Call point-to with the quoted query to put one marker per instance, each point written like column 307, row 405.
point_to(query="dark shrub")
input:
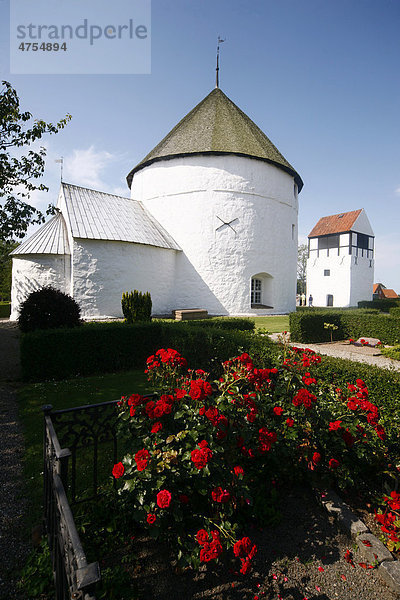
column 48, row 308
column 136, row 306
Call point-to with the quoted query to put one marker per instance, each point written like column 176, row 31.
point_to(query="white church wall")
column 32, row 272
column 104, row 270
column 362, row 279
column 337, row 283
column 191, row 196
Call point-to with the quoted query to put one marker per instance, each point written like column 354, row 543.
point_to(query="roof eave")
column 146, row 163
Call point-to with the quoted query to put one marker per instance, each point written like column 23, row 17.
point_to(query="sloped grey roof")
column 100, row 216
column 51, row 238
column 217, row 126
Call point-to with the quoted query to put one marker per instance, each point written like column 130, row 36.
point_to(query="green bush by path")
column 382, row 304
column 230, row 323
column 394, row 311
column 308, row 326
column 393, row 352
column 111, row 347
column 5, row 310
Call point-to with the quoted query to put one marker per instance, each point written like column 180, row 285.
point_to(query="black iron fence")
column 73, row 471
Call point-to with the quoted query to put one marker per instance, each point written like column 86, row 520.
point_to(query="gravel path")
column 14, row 546
column 300, row 558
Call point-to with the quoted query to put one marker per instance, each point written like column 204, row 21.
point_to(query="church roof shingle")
column 51, row 238
column 217, row 126
column 101, row 216
column 340, row 223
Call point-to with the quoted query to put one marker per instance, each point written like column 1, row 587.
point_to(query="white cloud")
column 86, row 166
column 397, row 191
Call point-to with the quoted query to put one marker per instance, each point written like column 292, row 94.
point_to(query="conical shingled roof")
column 217, row 126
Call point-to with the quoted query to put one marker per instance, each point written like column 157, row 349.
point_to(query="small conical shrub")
column 136, row 306
column 48, row 308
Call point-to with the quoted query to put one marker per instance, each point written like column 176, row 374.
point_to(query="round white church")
column 211, row 223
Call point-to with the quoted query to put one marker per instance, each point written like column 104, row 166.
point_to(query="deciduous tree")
column 19, row 171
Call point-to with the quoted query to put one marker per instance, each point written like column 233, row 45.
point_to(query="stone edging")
column 389, row 568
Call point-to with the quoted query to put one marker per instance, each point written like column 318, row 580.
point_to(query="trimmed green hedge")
column 382, row 304
column 111, row 347
column 308, row 326
column 227, row 323
column 395, row 311
column 5, row 310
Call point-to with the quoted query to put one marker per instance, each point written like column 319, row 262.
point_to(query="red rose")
column 202, row 536
column 183, row 498
column 157, row 426
column 141, row 458
column 316, row 458
column 289, row 422
column 334, row 425
column 118, row 470
column 238, row 470
column 333, row 464
column 278, row 410
column 163, row 498
column 151, row 518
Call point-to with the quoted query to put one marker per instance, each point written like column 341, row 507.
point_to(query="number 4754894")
column 44, row 46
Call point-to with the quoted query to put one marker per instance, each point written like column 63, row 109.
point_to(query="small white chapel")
column 211, row 223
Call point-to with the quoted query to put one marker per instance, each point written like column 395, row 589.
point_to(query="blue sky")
column 319, row 77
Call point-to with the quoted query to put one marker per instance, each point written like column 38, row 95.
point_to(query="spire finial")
column 220, row 40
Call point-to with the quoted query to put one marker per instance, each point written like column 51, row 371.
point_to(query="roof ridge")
column 81, row 187
column 217, row 126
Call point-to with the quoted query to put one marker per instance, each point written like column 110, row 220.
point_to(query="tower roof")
column 341, row 223
column 217, row 126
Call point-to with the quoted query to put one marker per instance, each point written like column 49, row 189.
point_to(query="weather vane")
column 220, row 40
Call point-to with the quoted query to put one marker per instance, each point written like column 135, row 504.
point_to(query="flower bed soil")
column 300, row 558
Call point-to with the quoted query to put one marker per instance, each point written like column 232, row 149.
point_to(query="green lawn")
column 272, row 324
column 64, row 394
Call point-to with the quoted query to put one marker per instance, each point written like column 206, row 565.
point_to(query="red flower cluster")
column 118, row 470
column 307, row 379
column 164, row 498
column 134, row 401
column 163, row 406
column 217, row 419
column 210, row 548
column 265, row 439
column 390, row 519
column 245, row 550
column 201, row 455
column 168, row 357
column 142, row 458
column 305, row 398
column 359, row 401
column 199, row 389
column 220, row 495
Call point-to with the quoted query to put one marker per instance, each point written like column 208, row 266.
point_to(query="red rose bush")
column 203, row 454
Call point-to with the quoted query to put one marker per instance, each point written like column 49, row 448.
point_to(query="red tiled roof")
column 389, row 293
column 335, row 223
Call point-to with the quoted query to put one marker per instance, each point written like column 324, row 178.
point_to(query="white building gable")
column 340, row 265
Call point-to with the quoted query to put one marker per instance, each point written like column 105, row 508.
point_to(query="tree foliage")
column 18, row 173
column 5, row 268
column 302, row 255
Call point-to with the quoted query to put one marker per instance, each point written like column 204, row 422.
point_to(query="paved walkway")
column 362, row 354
